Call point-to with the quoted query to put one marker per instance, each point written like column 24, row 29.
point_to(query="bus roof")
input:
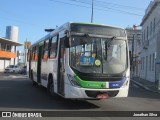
column 96, row 24
column 66, row 26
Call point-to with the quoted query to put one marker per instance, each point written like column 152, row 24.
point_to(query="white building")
column 150, row 49
column 134, row 41
column 8, row 47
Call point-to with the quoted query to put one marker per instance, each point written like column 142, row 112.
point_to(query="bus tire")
column 33, row 82
column 50, row 87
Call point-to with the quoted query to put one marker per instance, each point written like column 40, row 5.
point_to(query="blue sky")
column 33, row 16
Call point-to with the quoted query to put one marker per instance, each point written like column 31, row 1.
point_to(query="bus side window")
column 36, row 53
column 33, row 54
column 53, row 50
column 42, row 54
column 28, row 55
column 49, row 48
column 46, row 46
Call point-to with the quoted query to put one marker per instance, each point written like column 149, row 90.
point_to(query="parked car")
column 24, row 70
column 12, row 69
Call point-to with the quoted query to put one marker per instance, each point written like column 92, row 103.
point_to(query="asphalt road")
column 18, row 94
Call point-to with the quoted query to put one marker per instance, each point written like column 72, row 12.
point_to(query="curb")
column 144, row 87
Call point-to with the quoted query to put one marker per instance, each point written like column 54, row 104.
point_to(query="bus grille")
column 95, row 93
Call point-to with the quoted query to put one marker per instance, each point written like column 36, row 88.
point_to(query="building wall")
column 1, row 64
column 8, row 54
column 134, row 41
column 150, row 49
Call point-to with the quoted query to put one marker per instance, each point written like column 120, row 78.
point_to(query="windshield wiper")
column 109, row 42
column 86, row 35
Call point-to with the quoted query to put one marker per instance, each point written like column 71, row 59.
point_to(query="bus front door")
column 61, row 68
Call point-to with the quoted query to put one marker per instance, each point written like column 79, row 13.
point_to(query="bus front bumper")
column 85, row 93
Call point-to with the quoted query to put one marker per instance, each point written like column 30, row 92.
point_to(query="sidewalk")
column 150, row 86
column 4, row 76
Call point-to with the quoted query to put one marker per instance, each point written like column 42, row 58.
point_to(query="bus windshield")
column 98, row 55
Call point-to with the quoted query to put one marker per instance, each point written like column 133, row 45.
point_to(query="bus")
column 82, row 61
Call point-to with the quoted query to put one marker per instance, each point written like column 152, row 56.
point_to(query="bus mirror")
column 66, row 42
column 67, row 33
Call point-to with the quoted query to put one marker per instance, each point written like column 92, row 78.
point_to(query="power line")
column 130, row 7
column 104, row 6
column 108, row 8
column 101, row 3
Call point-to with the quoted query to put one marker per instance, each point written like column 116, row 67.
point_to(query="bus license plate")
column 102, row 96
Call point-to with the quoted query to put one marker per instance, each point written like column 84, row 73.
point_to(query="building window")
column 146, row 63
column 143, row 62
column 8, row 47
column 151, row 28
column 150, row 63
column 153, row 62
column 144, row 36
column 3, row 46
column 147, row 32
column 154, row 24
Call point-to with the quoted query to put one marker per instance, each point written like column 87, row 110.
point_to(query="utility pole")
column 134, row 51
column 27, row 44
column 25, row 47
column 133, row 63
column 92, row 13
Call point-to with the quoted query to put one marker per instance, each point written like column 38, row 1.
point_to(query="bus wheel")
column 50, row 88
column 33, row 82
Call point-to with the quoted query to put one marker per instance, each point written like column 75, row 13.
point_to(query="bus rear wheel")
column 33, row 82
column 50, row 88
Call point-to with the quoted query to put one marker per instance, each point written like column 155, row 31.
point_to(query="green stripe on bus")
column 90, row 84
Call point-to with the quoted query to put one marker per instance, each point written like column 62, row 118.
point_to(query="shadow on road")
column 20, row 93
column 136, row 91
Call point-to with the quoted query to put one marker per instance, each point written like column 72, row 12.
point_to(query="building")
column 8, row 48
column 150, row 49
column 134, row 41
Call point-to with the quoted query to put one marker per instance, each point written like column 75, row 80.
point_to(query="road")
column 18, row 94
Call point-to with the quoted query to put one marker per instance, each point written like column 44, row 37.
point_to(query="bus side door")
column 61, row 66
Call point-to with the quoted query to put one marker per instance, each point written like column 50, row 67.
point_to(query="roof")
column 88, row 23
column 64, row 26
column 149, row 11
column 4, row 40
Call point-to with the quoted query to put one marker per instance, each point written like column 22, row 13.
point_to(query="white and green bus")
column 82, row 61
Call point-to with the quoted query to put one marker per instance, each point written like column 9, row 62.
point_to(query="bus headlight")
column 126, row 82
column 73, row 81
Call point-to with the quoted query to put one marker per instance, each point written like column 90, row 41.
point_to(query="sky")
column 33, row 16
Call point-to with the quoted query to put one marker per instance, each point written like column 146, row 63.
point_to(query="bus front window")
column 98, row 55
column 114, row 56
